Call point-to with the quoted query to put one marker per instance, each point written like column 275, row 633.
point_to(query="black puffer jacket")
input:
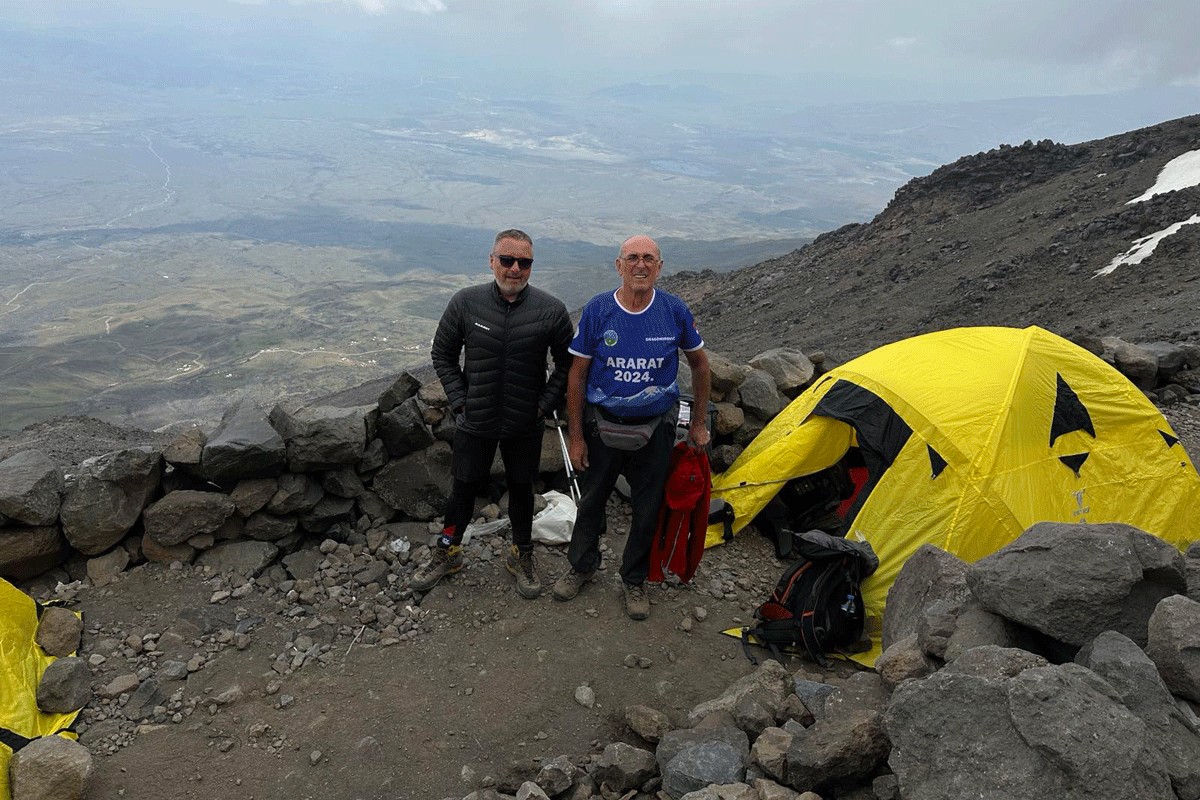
column 502, row 385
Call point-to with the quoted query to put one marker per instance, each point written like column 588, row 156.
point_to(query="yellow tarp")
column 22, row 663
column 984, row 399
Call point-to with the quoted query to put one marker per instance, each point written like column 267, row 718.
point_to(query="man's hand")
column 697, row 434
column 577, row 450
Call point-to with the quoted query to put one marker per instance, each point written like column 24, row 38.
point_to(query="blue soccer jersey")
column 635, row 356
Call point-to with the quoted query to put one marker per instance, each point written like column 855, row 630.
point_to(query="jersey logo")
column 610, row 338
column 660, row 338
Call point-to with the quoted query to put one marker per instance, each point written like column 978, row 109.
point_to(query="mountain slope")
column 1013, row 236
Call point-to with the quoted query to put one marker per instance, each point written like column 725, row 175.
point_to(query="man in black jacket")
column 500, row 397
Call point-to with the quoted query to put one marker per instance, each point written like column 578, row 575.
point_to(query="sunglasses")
column 508, row 261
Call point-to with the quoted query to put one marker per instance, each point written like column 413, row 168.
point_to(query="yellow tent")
column 22, row 663
column 970, row 436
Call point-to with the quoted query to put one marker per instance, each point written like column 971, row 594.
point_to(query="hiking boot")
column 569, row 584
column 444, row 561
column 637, row 603
column 523, row 566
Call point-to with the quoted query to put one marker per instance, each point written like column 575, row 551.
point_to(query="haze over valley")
column 182, row 224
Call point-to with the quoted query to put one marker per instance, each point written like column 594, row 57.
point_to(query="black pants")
column 646, row 470
column 471, row 464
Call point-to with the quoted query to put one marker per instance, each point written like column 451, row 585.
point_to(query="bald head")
column 640, row 244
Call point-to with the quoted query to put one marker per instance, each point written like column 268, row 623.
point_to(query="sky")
column 907, row 49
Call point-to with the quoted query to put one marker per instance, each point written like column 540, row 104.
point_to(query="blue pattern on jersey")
column 635, row 357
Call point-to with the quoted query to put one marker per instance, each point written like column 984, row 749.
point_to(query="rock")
column 623, row 767
column 108, row 496
column 160, row 554
column 1134, row 362
column 769, row 752
column 723, row 791
column 754, row 713
column 403, row 429
column 975, row 627
column 928, row 576
column 26, row 552
column 1192, row 567
column 531, row 791
column 695, row 767
column 66, row 686
column 771, row 682
column 402, row 389
column 418, row 484
column 760, row 396
column 50, row 768
column 240, row 558
column 994, row 662
column 1120, row 662
column 327, row 513
column 244, row 445
column 1174, row 645
column 557, row 775
column 253, row 494
column 186, row 450
column 770, row 790
column 295, row 493
column 143, row 700
column 585, row 696
column 903, row 661
column 726, row 375
column 790, row 368
column 322, row 437
column 717, row 728
column 1075, row 581
column 646, row 722
column 58, row 631
column 121, row 684
column 266, row 527
column 813, row 694
column 956, row 735
column 862, row 691
column 31, row 487
column 843, row 746
column 181, row 515
column 343, row 483
column 104, row 569
column 302, row 564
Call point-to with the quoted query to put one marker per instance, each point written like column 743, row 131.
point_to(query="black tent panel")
column 1069, row 413
column 1169, row 439
column 936, row 462
column 879, row 429
column 1075, row 462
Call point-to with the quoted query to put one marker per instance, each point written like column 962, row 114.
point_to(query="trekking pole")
column 572, row 477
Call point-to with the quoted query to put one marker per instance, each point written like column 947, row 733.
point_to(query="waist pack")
column 622, row 434
column 817, row 606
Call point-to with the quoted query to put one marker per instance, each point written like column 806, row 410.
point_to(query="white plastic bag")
column 554, row 523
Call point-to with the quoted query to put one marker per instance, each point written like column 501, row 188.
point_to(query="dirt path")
column 487, row 687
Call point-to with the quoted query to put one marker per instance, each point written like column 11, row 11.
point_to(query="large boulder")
column 1046, row 731
column 108, row 496
column 930, row 576
column 404, row 387
column 244, row 445
column 295, row 493
column 241, row 558
column 760, row 396
column 322, row 437
column 65, row 686
column 403, row 429
column 50, row 768
column 1126, row 668
column 791, row 369
column 1174, row 645
column 837, row 747
column 1072, row 582
column 418, row 484
column 26, row 552
column 770, row 683
column 181, row 515
column 31, row 487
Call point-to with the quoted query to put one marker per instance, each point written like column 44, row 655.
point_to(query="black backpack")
column 817, row 606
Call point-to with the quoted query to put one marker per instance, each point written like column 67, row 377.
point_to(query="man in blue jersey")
column 626, row 352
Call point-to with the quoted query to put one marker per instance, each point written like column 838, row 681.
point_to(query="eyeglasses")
column 508, row 261
column 633, row 258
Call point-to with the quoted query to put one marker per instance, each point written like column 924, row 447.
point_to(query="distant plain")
column 165, row 250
